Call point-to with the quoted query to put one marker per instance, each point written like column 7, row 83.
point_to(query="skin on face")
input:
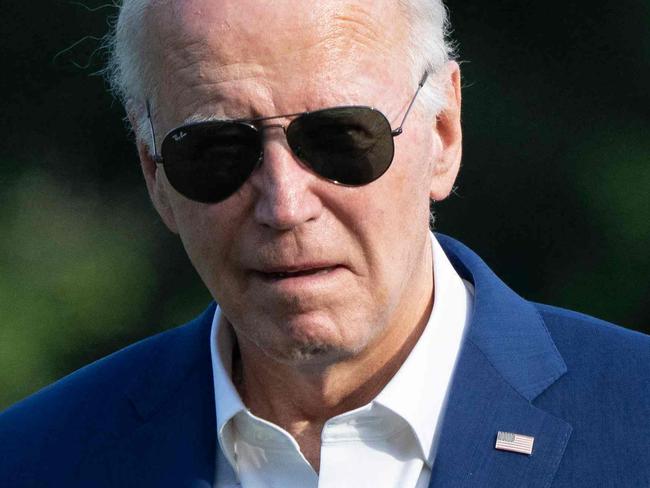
column 369, row 245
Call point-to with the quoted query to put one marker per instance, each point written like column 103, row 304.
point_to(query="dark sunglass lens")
column 349, row 145
column 209, row 161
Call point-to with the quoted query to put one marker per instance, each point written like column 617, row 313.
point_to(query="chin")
column 313, row 347
column 314, row 354
column 310, row 357
column 309, row 339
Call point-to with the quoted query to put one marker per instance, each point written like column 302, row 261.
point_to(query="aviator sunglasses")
column 209, row 161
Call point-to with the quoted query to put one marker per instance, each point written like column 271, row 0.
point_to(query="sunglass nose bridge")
column 273, row 126
column 265, row 127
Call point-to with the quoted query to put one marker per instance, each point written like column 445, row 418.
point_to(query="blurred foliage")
column 72, row 273
column 553, row 194
column 79, row 278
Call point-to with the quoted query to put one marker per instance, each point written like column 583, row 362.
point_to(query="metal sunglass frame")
column 158, row 159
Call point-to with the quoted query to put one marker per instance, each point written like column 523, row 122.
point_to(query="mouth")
column 284, row 274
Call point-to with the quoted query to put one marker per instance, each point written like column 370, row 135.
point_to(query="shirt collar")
column 418, row 390
column 228, row 403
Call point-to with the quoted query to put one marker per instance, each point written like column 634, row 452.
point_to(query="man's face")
column 305, row 270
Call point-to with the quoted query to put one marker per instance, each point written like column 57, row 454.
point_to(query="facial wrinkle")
column 367, row 26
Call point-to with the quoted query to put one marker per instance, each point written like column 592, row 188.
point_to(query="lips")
column 279, row 273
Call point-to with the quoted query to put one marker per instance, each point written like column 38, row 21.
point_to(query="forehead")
column 234, row 50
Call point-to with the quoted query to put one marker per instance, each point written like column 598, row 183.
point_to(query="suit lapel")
column 480, row 404
column 506, row 361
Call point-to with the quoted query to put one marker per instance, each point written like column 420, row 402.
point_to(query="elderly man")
column 295, row 147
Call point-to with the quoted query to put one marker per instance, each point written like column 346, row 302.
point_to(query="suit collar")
column 506, row 328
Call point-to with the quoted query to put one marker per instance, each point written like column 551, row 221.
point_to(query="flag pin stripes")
column 508, row 441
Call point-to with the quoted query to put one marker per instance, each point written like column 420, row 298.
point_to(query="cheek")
column 391, row 221
column 403, row 222
column 207, row 235
column 422, row 153
column 409, row 180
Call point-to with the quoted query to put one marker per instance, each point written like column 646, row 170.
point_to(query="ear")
column 154, row 177
column 449, row 132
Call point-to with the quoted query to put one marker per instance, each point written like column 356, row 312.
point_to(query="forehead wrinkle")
column 217, row 101
column 365, row 26
column 198, row 66
column 197, row 58
column 191, row 64
column 206, row 74
column 193, row 78
column 230, row 41
column 224, row 33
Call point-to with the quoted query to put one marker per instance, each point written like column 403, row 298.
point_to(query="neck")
column 320, row 393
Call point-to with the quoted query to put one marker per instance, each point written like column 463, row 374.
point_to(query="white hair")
column 430, row 47
column 132, row 77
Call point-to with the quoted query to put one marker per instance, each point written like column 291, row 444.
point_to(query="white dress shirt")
column 390, row 442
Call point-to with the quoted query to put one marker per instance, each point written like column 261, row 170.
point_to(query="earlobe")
column 449, row 134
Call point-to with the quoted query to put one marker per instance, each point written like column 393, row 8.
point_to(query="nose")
column 284, row 188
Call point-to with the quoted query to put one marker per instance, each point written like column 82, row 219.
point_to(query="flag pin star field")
column 509, row 441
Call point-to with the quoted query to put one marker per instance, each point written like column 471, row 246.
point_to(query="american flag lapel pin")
column 508, row 441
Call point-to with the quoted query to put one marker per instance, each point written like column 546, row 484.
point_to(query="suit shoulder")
column 607, row 365
column 605, row 397
column 567, row 325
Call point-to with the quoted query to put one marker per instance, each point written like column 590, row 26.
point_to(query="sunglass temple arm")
column 398, row 131
column 157, row 159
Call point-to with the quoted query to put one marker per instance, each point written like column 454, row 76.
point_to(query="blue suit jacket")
column 145, row 417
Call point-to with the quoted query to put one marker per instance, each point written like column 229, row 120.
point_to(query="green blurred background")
column 554, row 191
